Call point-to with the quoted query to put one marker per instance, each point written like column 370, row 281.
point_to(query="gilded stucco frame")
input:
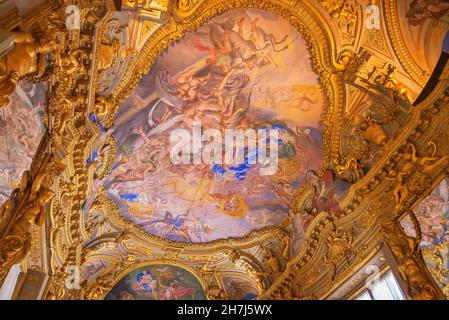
column 325, row 61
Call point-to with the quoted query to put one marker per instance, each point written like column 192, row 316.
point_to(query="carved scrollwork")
column 349, row 167
column 368, row 131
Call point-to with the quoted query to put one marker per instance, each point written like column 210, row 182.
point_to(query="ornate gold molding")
column 25, row 209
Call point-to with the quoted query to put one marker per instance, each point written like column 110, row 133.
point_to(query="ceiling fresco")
column 424, row 23
column 157, row 282
column 244, row 69
column 21, row 130
column 433, row 217
column 327, row 193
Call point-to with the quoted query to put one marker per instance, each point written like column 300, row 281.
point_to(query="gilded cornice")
column 323, row 226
